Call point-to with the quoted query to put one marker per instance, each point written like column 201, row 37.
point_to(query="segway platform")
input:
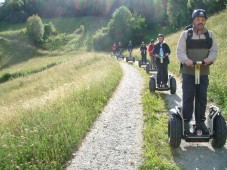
column 130, row 60
column 197, row 138
column 149, row 68
column 172, row 85
column 142, row 64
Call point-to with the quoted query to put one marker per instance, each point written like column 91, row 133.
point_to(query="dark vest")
column 197, row 50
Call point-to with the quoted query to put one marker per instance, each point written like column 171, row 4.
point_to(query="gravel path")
column 197, row 155
column 115, row 141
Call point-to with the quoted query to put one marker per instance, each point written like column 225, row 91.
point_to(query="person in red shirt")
column 114, row 48
column 150, row 50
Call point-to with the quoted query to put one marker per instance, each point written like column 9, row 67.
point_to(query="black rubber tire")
column 148, row 68
column 152, row 85
column 220, row 132
column 174, row 131
column 139, row 63
column 173, row 85
column 133, row 59
column 126, row 59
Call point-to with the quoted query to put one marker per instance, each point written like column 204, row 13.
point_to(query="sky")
column 2, row 1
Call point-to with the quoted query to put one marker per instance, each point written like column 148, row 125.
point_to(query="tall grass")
column 45, row 136
column 217, row 91
column 157, row 153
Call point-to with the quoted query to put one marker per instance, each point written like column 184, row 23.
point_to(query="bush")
column 120, row 25
column 79, row 30
column 35, row 28
column 49, row 30
column 102, row 40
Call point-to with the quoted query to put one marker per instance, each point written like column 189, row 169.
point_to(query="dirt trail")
column 115, row 141
column 197, row 155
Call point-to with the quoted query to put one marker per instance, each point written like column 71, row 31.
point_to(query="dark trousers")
column 144, row 58
column 162, row 73
column 188, row 86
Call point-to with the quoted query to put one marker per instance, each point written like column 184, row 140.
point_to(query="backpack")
column 209, row 40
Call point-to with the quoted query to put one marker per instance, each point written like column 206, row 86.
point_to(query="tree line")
column 174, row 13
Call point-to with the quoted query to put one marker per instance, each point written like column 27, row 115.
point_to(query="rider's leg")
column 188, row 85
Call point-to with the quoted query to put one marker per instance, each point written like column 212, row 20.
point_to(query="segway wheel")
column 133, row 59
column 220, row 132
column 173, row 85
column 174, row 131
column 139, row 63
column 126, row 59
column 148, row 68
column 152, row 85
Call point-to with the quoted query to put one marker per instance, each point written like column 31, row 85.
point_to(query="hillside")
column 73, row 34
column 49, row 99
column 50, row 96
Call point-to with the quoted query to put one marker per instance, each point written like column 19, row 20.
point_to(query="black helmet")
column 199, row 13
column 160, row 35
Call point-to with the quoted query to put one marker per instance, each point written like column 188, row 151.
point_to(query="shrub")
column 102, row 40
column 49, row 30
column 35, row 28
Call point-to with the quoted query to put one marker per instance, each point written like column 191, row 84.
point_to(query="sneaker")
column 203, row 127
column 186, row 128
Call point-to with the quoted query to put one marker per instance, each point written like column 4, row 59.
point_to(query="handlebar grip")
column 200, row 62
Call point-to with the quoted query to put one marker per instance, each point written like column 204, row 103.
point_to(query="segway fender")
column 213, row 112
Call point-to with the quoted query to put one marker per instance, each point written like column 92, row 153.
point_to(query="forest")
column 172, row 13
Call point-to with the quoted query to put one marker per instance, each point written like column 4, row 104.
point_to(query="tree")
column 178, row 14
column 120, row 25
column 35, row 28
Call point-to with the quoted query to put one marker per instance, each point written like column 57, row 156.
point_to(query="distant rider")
column 130, row 48
column 114, row 48
column 162, row 50
column 143, row 50
column 152, row 57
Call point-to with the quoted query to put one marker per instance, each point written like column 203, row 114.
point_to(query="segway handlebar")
column 200, row 63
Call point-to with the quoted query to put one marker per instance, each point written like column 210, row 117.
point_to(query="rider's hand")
column 207, row 61
column 189, row 63
column 166, row 54
column 156, row 55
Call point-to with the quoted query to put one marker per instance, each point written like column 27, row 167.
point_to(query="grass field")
column 44, row 116
column 50, row 98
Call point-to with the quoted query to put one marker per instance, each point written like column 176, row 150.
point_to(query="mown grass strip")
column 9, row 76
column 46, row 137
column 157, row 153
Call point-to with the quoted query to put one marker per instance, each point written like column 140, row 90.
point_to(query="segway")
column 171, row 84
column 130, row 59
column 149, row 68
column 216, row 122
column 120, row 55
column 142, row 63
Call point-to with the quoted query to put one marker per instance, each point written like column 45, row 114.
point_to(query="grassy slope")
column 36, row 122
column 50, row 99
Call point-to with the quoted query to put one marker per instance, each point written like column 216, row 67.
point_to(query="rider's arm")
column 181, row 48
column 213, row 51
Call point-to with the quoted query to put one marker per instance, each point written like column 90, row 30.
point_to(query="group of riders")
column 117, row 49
column 158, row 53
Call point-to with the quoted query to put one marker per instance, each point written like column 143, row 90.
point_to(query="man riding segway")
column 196, row 50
